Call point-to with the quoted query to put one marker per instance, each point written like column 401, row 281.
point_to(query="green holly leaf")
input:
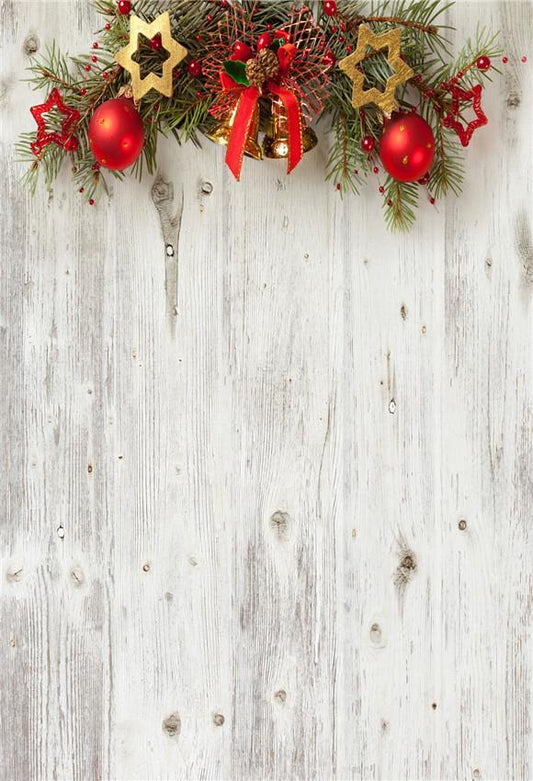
column 237, row 70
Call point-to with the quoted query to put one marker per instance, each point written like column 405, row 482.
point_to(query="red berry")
column 483, row 63
column 95, row 45
column 95, row 166
column 94, row 58
column 381, row 189
column 389, row 202
column 376, row 169
column 156, row 43
column 91, row 201
column 524, row 58
column 124, row 7
column 330, row 7
column 87, row 68
column 505, row 60
column 264, row 41
column 368, row 143
column 81, row 190
column 328, row 59
column 105, row 75
column 199, row 38
column 209, row 17
column 83, row 91
column 424, row 180
column 339, row 186
column 108, row 26
column 194, row 68
column 241, row 51
column 432, row 200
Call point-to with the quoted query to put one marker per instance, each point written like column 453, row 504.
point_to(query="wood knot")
column 375, row 634
column 14, row 574
column 405, row 569
column 279, row 523
column 281, row 696
column 162, row 191
column 218, row 719
column 403, row 312
column 462, row 524
column 172, row 725
column 434, row 705
column 31, row 44
column 77, row 577
column 513, row 100
column 207, row 187
column 146, row 567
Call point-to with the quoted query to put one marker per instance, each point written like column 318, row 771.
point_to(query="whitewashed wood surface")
column 284, row 530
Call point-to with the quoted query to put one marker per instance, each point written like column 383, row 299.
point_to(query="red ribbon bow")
column 247, row 105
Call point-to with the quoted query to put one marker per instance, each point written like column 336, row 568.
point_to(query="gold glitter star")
column 390, row 40
column 176, row 51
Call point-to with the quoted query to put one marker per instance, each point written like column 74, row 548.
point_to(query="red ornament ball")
column 241, row 51
column 407, row 147
column 367, row 143
column 116, row 134
column 483, row 63
column 264, row 41
column 194, row 68
column 156, row 43
column 330, row 7
column 124, row 7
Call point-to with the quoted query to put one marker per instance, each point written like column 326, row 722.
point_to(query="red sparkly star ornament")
column 460, row 96
column 65, row 138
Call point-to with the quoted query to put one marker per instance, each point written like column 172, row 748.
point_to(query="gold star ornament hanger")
column 176, row 51
column 390, row 40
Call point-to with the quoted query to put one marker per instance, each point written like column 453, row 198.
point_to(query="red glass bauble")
column 124, row 7
column 330, row 7
column 407, row 147
column 483, row 62
column 194, row 68
column 116, row 134
column 241, row 51
column 264, row 41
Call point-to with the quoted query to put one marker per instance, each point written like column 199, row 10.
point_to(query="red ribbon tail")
column 294, row 123
column 241, row 128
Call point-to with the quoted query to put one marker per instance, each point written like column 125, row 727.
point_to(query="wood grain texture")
column 267, row 470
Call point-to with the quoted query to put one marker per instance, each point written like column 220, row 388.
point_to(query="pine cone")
column 269, row 63
column 264, row 66
column 255, row 73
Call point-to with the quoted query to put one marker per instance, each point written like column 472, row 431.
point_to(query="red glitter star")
column 460, row 96
column 65, row 138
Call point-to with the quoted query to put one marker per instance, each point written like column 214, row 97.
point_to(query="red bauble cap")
column 407, row 147
column 116, row 134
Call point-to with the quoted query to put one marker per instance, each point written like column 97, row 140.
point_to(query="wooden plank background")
column 281, row 526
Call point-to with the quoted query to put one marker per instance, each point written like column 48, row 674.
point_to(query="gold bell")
column 222, row 132
column 276, row 140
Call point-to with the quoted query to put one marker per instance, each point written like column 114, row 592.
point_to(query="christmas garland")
column 379, row 74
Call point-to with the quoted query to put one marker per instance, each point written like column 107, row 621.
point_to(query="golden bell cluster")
column 276, row 141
